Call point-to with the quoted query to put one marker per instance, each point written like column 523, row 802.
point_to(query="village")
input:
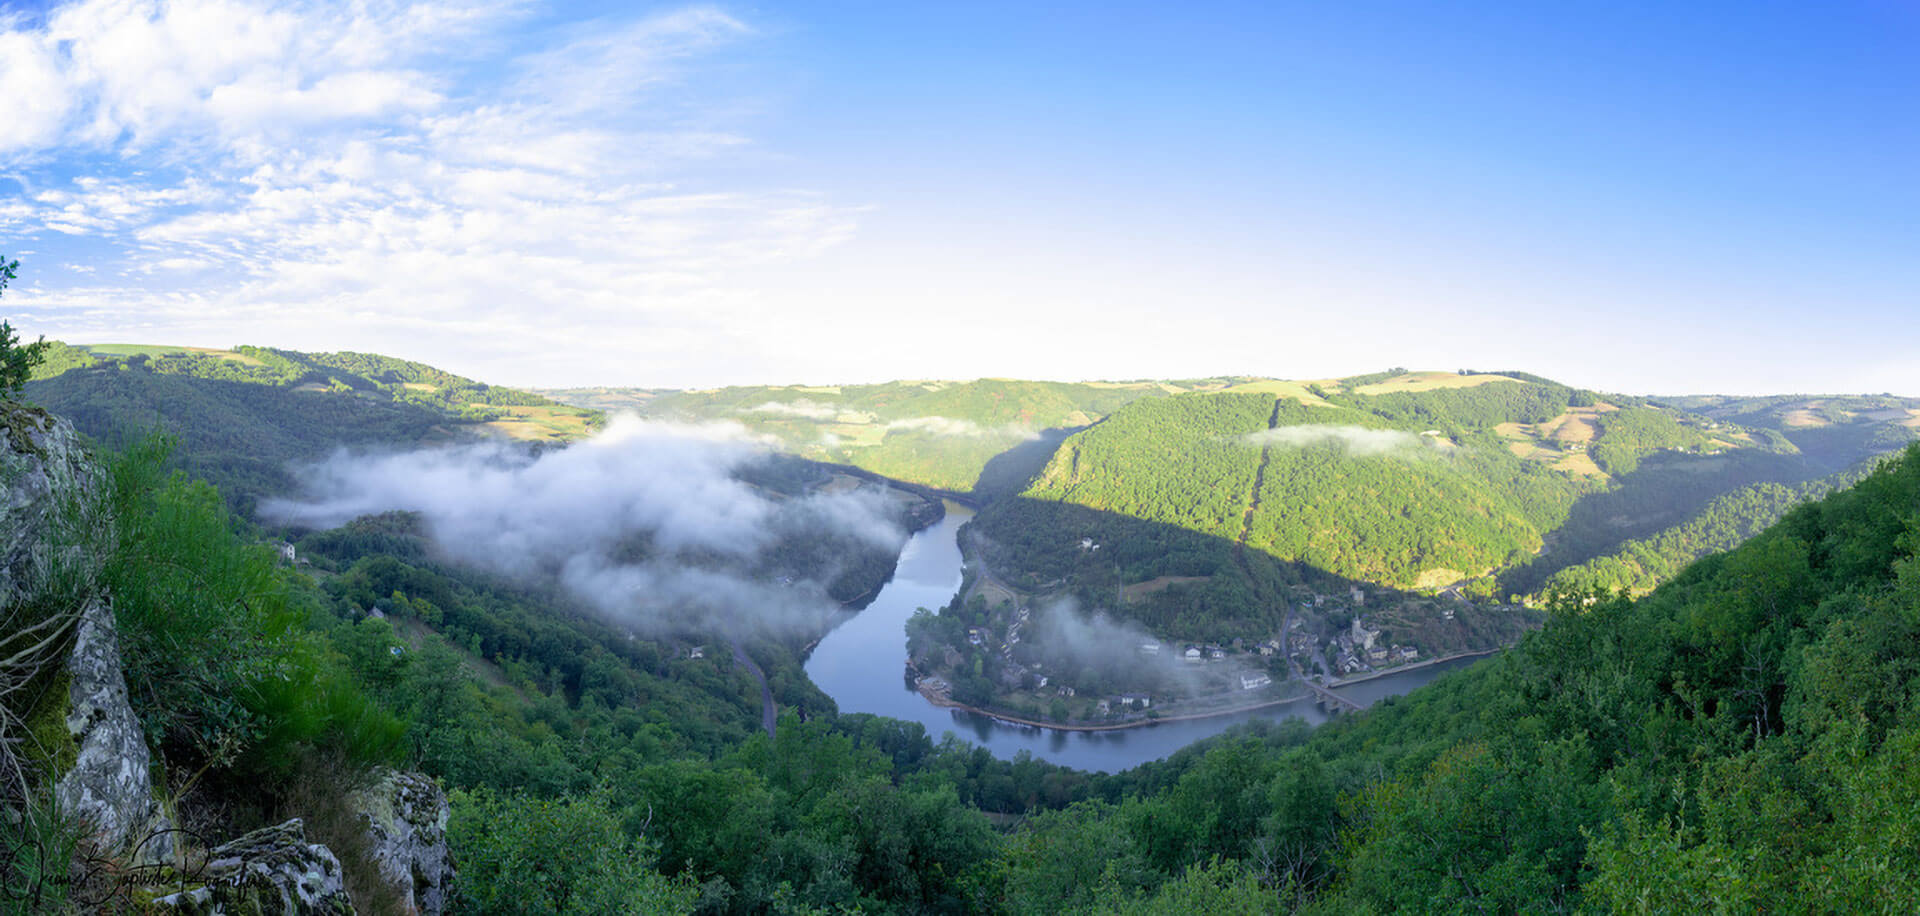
column 993, row 661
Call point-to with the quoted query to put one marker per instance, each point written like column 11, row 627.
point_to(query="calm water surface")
column 862, row 665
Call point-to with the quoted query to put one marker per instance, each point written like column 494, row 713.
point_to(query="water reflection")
column 862, row 663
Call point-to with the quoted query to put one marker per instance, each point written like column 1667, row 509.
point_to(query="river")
column 862, row 665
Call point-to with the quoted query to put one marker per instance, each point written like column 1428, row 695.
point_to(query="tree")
column 16, row 362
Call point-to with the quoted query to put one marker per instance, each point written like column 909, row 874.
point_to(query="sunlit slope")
column 504, row 411
column 1414, row 479
column 934, row 433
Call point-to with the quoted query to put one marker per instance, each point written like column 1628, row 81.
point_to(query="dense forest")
column 1737, row 738
column 243, row 417
column 1741, row 737
column 946, row 435
column 1398, row 480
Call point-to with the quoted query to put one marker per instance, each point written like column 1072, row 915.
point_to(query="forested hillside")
column 243, row 416
column 1741, row 738
column 946, row 435
column 1426, row 480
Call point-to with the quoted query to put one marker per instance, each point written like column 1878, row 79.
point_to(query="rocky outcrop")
column 406, row 823
column 271, row 870
column 44, row 472
column 109, row 787
column 50, row 549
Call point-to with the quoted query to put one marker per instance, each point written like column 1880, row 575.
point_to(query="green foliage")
column 242, row 437
column 955, row 436
column 16, row 361
column 214, row 640
column 1632, row 433
column 37, row 848
column 1382, row 512
column 1725, row 522
column 571, row 855
column 1459, row 409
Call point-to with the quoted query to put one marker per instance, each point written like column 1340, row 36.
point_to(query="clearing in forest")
column 1139, row 590
column 1279, row 388
column 1429, row 381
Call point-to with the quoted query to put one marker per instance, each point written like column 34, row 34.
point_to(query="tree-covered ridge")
column 1742, row 739
column 1425, row 479
column 1724, row 523
column 1630, row 434
column 983, row 437
column 1183, row 461
column 241, row 436
column 518, row 413
column 1368, row 495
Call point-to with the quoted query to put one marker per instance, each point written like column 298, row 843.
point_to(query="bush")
column 214, row 636
column 524, row 855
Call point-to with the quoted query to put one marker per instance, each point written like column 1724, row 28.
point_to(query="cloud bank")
column 1356, row 440
column 649, row 522
column 803, row 409
column 948, row 427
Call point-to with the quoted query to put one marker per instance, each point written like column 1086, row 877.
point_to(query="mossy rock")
column 49, row 749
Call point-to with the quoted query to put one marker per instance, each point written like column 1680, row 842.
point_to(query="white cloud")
column 957, row 429
column 1355, row 439
column 804, row 409
column 571, row 515
column 334, row 176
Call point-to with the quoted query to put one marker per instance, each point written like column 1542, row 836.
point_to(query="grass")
column 862, row 435
column 1579, row 464
column 541, row 424
column 1572, row 426
column 1278, row 388
column 1135, row 591
column 1428, row 381
column 162, row 350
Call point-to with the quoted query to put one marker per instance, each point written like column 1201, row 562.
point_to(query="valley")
column 1148, row 608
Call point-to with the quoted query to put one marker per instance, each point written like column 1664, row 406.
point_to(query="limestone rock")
column 271, row 870
column 406, row 817
column 44, row 471
column 109, row 786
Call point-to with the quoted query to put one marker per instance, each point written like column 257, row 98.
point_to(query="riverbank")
column 946, row 702
column 1361, row 679
column 950, row 703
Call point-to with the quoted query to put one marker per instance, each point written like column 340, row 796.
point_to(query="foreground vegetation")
column 1738, row 738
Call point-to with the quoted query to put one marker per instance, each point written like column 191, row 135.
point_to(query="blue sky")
column 1637, row 197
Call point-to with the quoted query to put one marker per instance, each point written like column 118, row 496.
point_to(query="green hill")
column 1415, row 481
column 243, row 416
column 1742, row 739
column 945, row 435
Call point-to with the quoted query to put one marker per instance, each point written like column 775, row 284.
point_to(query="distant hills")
column 244, row 415
column 1498, row 483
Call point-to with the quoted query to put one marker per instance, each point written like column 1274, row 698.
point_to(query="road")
column 767, row 712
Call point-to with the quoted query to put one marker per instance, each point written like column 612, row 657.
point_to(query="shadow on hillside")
column 1009, row 472
column 241, row 436
column 1187, row 585
column 1666, row 490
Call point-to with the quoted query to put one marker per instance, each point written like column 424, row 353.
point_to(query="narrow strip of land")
column 950, row 703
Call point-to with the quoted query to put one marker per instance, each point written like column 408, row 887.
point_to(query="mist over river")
column 862, row 665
